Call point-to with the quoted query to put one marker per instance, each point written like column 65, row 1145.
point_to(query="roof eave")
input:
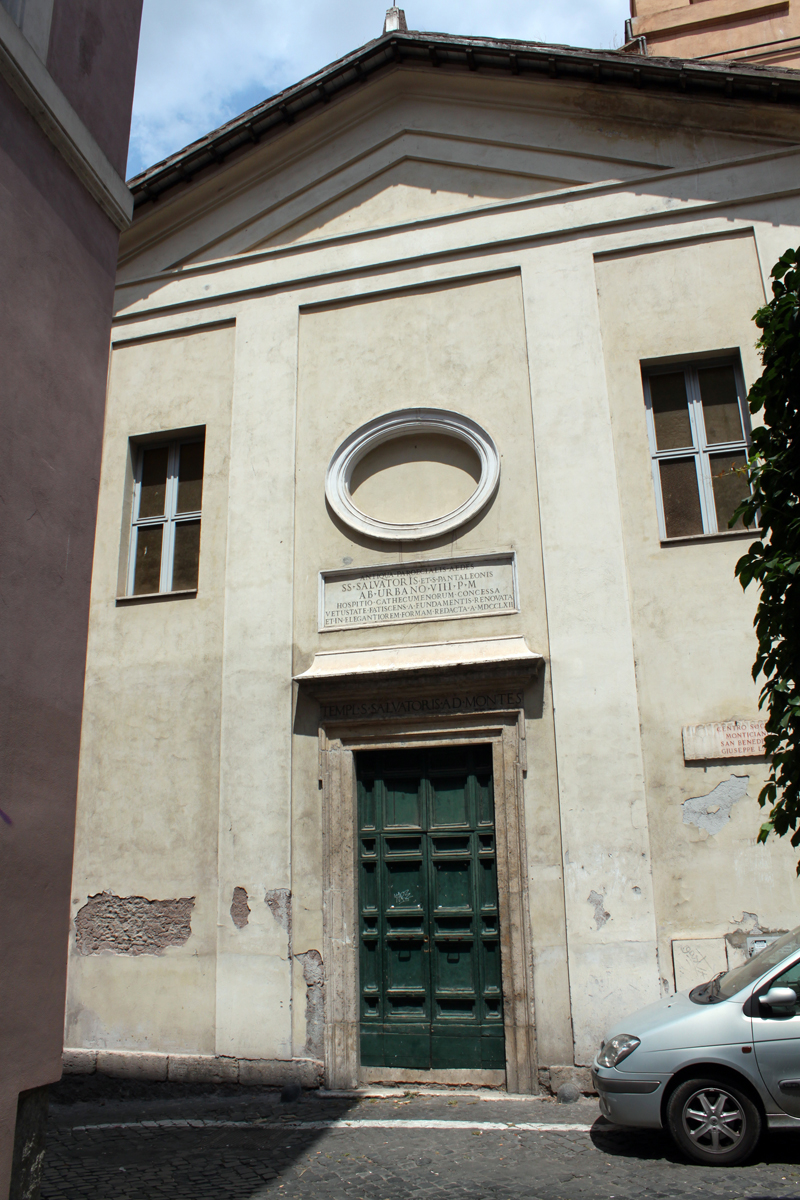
column 727, row 80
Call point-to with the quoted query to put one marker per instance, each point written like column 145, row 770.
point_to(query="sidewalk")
column 115, row 1141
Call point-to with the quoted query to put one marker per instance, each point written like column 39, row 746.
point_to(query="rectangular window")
column 167, row 502
column 697, row 424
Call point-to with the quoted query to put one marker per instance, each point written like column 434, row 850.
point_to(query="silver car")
column 715, row 1065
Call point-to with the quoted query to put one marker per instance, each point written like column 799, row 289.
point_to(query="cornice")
column 28, row 77
column 728, row 81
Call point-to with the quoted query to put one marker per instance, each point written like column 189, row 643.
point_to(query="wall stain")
column 89, row 42
column 240, row 909
column 600, row 914
column 132, row 924
column 713, row 811
column 314, row 976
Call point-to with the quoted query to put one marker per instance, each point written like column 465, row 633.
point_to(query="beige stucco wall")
column 691, row 621
column 148, row 799
column 531, row 315
column 461, row 347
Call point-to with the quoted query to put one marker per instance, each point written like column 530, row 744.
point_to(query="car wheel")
column 713, row 1122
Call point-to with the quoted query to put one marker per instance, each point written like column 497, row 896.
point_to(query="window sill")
column 734, row 534
column 150, row 597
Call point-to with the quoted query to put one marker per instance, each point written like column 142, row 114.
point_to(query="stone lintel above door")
column 402, row 682
column 497, row 654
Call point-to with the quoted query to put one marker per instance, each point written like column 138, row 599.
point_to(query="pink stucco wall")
column 57, row 263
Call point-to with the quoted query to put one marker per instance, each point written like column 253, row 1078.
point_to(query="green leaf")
column 773, row 562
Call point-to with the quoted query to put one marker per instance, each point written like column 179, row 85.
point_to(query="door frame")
column 338, row 743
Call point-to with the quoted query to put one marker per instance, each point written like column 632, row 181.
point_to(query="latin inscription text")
column 419, row 593
column 473, row 702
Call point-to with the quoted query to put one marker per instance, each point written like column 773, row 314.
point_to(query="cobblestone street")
column 144, row 1142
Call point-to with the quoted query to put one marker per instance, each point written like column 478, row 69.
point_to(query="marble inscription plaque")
column 726, row 739
column 422, row 591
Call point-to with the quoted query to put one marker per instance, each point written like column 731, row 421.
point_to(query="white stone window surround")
column 403, row 423
column 168, row 520
column 700, row 449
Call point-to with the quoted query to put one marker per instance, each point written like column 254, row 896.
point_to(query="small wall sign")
column 724, row 739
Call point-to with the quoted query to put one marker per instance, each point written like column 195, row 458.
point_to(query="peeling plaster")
column 240, row 909
column 132, row 924
column 314, row 977
column 279, row 903
column 748, row 922
column 713, row 811
column 749, row 926
column 600, row 914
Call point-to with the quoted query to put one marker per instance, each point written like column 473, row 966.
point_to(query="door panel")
column 449, row 802
column 776, row 1039
column 403, row 803
column 431, row 993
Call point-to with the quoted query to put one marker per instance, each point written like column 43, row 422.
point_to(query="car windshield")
column 728, row 985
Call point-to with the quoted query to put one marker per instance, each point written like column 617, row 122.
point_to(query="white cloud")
column 201, row 62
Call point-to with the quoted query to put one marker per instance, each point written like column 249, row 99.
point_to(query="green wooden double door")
column 431, row 993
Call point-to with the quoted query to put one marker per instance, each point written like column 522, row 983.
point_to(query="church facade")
column 420, row 741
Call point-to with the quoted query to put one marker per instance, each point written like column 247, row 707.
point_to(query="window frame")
column 775, row 981
column 700, row 450
column 168, row 520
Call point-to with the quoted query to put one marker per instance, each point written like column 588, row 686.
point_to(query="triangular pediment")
column 412, row 189
column 414, row 147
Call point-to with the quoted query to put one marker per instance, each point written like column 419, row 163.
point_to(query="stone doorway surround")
column 413, row 697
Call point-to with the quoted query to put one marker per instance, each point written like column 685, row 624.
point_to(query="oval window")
column 415, row 478
column 413, row 474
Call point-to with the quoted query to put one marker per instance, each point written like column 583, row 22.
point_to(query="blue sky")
column 202, row 62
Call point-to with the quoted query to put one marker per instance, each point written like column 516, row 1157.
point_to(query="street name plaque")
column 418, row 591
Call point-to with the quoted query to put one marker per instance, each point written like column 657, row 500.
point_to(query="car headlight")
column 618, row 1048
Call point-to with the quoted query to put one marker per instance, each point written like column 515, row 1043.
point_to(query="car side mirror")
column 779, row 997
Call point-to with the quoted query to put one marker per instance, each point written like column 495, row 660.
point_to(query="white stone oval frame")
column 403, row 423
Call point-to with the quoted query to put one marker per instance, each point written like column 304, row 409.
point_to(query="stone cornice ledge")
column 425, row 658
column 27, row 76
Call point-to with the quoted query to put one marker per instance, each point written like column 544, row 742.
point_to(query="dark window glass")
column 790, row 979
column 773, row 953
column 154, row 482
column 670, row 411
column 147, row 576
column 721, row 411
column 682, row 513
column 730, row 487
column 190, row 477
column 187, row 555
